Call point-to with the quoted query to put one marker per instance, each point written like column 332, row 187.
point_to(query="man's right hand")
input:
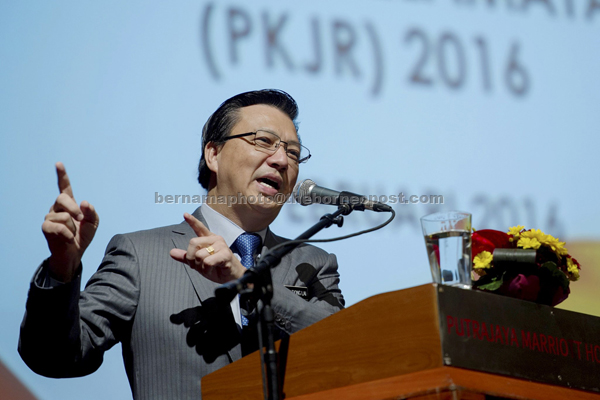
column 68, row 228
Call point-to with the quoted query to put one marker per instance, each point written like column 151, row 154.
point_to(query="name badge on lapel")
column 299, row 291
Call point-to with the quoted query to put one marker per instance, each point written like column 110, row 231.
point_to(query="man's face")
column 240, row 168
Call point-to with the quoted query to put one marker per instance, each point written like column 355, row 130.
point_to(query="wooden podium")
column 432, row 342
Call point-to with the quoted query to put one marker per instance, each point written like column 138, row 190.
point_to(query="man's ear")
column 211, row 151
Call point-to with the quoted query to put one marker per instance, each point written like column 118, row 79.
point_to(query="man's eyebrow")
column 275, row 133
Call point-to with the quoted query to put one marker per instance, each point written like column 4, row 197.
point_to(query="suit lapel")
column 204, row 288
column 182, row 235
column 278, row 273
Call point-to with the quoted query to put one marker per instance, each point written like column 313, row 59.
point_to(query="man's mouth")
column 269, row 182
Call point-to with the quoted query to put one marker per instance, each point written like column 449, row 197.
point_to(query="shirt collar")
column 224, row 227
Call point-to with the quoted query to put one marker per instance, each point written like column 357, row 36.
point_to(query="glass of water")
column 448, row 243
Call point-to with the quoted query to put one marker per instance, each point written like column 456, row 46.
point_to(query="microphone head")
column 302, row 191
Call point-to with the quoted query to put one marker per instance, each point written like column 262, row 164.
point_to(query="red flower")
column 523, row 287
column 488, row 240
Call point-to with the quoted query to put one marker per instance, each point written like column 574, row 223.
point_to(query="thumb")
column 178, row 255
column 89, row 213
column 88, row 225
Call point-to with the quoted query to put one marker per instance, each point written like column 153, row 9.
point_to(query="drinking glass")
column 448, row 243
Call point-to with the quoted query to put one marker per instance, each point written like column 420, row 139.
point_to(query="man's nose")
column 279, row 159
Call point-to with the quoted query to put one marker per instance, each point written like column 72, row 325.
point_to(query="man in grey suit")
column 154, row 291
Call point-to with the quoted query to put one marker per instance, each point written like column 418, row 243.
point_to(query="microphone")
column 307, row 192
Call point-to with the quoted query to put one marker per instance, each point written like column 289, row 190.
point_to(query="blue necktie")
column 246, row 245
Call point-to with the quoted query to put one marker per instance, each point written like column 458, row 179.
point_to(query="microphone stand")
column 260, row 277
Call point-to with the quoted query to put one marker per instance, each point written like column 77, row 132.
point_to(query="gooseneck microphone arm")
column 260, row 277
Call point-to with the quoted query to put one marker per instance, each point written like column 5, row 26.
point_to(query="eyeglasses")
column 269, row 142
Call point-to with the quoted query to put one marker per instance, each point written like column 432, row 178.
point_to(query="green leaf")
column 556, row 273
column 491, row 283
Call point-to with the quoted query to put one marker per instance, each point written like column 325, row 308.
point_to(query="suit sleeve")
column 65, row 332
column 318, row 272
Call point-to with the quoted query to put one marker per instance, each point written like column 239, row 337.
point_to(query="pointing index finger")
column 198, row 227
column 64, row 184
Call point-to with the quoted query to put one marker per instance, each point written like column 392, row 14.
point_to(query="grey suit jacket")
column 172, row 330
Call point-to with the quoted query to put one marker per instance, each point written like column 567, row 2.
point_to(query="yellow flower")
column 573, row 270
column 535, row 234
column 529, row 243
column 515, row 230
column 556, row 246
column 483, row 260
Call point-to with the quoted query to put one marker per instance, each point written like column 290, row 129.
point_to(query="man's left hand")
column 209, row 254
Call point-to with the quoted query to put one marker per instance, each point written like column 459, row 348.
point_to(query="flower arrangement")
column 545, row 281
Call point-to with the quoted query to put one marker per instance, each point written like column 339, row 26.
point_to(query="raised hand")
column 209, row 254
column 68, row 228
